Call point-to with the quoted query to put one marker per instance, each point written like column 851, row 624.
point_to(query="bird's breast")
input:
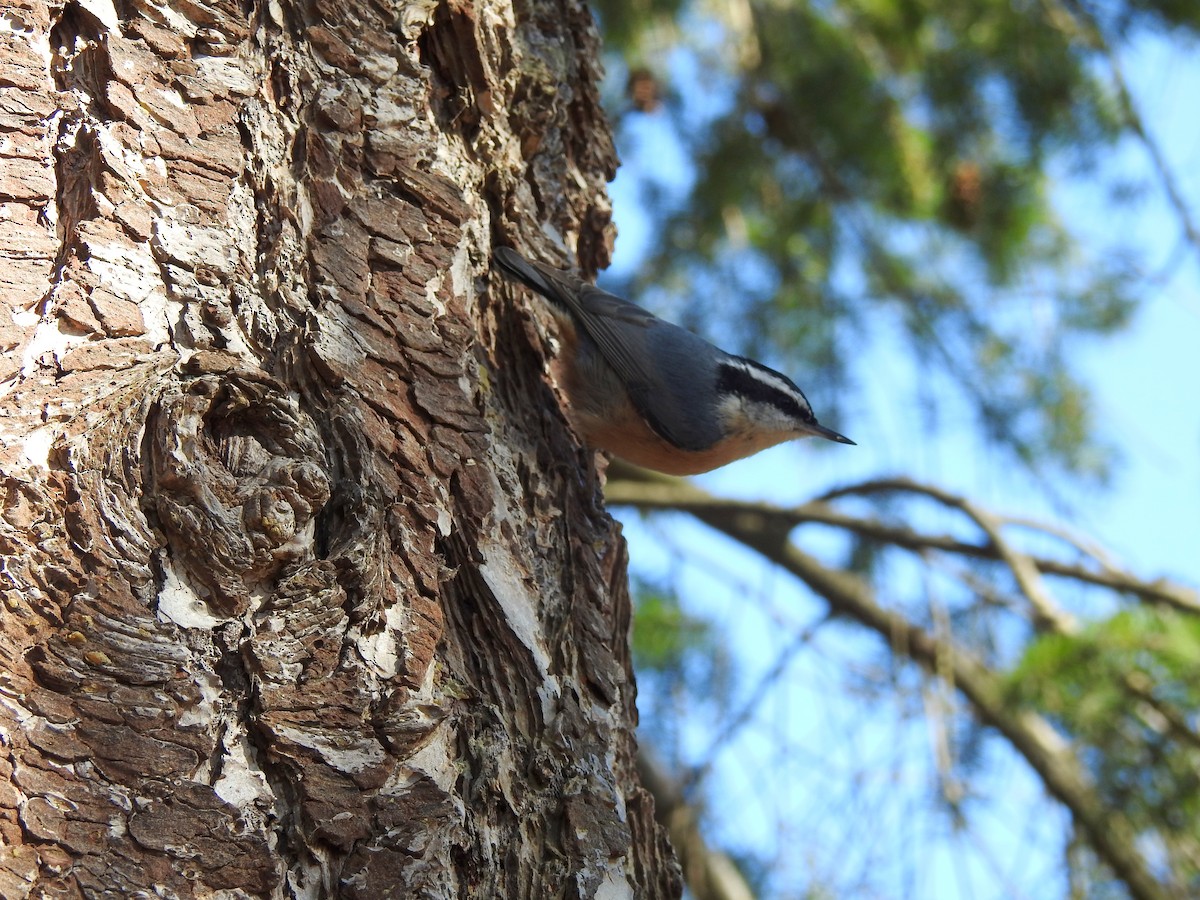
column 632, row 439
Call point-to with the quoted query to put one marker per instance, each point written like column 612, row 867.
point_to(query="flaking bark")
column 307, row 588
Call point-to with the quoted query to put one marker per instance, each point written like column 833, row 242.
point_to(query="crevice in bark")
column 448, row 46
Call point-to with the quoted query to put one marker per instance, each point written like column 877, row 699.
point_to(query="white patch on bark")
column 179, row 603
column 126, row 163
column 47, row 338
column 174, row 98
column 195, row 245
column 445, row 521
column 38, row 38
column 130, row 272
column 204, row 712
column 502, row 571
column 104, row 11
column 391, row 111
column 615, row 885
column 19, row 714
column 346, row 753
column 414, row 16
column 336, row 340
column 438, row 758
column 435, row 760
column 242, row 782
column 304, row 878
column 380, row 650
column 35, row 449
column 227, row 71
column 169, row 16
column 432, row 288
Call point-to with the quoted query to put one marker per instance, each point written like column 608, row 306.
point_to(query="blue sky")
column 1148, row 380
column 1147, row 384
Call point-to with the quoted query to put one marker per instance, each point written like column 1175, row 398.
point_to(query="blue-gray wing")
column 669, row 372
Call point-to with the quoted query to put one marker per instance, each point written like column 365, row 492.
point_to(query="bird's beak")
column 828, row 433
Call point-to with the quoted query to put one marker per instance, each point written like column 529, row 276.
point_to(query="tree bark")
column 308, row 591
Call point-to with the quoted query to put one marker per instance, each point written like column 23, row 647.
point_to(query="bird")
column 653, row 393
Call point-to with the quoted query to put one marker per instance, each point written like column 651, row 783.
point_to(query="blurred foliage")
column 868, row 161
column 850, row 176
column 663, row 634
column 683, row 667
column 1126, row 690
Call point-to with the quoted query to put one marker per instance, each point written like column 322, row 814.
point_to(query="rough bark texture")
column 307, row 590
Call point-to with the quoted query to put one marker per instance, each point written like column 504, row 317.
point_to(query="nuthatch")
column 654, row 393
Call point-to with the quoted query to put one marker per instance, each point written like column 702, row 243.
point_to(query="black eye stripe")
column 740, row 378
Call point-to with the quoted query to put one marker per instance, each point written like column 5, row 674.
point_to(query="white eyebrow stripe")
column 770, row 379
column 764, row 375
column 753, row 384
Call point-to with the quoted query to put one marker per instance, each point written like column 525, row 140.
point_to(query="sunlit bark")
column 306, row 592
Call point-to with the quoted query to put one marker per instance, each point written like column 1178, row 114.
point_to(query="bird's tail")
column 556, row 286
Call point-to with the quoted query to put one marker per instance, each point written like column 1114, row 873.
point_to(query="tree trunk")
column 308, row 591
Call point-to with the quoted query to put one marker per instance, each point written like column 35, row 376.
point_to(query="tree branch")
column 709, row 874
column 765, row 529
column 648, row 491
